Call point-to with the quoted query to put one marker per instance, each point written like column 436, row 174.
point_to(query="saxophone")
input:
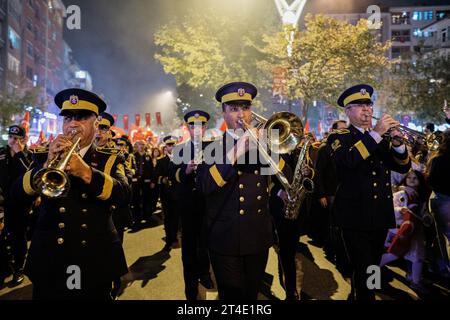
column 300, row 185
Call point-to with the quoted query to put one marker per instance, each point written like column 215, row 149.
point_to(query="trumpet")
column 411, row 136
column 53, row 182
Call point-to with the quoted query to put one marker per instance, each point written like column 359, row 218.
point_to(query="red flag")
column 138, row 119
column 223, row 126
column 158, row 118
column 41, row 138
column 319, row 127
column 115, row 118
column 51, row 138
column 306, row 129
column 125, row 122
column 26, row 122
column 148, row 120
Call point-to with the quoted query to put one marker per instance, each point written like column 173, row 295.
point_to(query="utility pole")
column 48, row 7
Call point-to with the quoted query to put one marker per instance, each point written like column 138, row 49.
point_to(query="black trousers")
column 141, row 204
column 239, row 277
column 194, row 252
column 364, row 248
column 16, row 217
column 171, row 215
column 288, row 238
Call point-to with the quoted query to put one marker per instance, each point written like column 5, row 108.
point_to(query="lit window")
column 14, row 39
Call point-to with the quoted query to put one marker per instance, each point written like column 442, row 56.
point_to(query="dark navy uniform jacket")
column 364, row 196
column 12, row 167
column 238, row 220
column 186, row 187
column 78, row 229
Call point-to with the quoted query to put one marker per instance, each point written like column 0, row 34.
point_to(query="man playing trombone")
column 363, row 207
column 239, row 228
column 75, row 252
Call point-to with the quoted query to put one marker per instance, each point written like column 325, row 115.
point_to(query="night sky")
column 115, row 43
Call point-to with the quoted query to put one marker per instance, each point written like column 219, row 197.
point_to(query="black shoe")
column 292, row 296
column 17, row 278
column 207, row 282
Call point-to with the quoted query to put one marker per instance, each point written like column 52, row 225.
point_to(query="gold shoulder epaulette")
column 341, row 131
column 107, row 150
column 39, row 150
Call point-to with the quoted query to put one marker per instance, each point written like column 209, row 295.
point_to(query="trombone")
column 53, row 182
column 290, row 131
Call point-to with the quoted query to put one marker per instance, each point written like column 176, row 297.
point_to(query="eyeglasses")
column 361, row 105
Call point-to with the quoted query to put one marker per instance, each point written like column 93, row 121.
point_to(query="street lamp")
column 290, row 14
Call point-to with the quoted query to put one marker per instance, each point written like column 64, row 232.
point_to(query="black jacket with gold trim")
column 187, row 193
column 12, row 167
column 237, row 201
column 78, row 229
column 364, row 196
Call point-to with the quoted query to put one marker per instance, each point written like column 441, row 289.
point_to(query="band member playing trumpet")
column 75, row 251
column 363, row 206
column 238, row 224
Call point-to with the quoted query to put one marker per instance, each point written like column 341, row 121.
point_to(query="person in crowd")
column 191, row 205
column 15, row 160
column 326, row 183
column 438, row 170
column 239, row 227
column 104, row 135
column 363, row 206
column 168, row 195
column 141, row 184
column 75, row 251
column 407, row 240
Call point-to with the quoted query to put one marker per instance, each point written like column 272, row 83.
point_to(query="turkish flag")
column 306, row 129
column 138, row 119
column 26, row 122
column 158, row 118
column 41, row 138
column 223, row 126
column 125, row 122
column 148, row 120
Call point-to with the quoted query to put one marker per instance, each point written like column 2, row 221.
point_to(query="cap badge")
column 241, row 92
column 196, row 115
column 363, row 92
column 14, row 130
column 74, row 100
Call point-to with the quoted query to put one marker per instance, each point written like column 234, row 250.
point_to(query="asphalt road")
column 158, row 275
